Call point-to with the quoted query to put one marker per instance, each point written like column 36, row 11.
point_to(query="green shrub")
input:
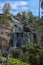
column 16, row 62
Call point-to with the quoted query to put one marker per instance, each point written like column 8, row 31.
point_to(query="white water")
column 17, row 23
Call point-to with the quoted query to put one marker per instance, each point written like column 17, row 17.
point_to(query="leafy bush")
column 15, row 62
column 34, row 54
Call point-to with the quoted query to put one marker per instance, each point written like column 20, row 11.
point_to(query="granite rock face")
column 15, row 34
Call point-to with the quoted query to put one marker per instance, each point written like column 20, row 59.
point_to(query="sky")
column 21, row 5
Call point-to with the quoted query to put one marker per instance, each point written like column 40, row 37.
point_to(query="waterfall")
column 18, row 23
column 15, row 40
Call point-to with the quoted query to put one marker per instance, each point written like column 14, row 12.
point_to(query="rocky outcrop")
column 5, row 33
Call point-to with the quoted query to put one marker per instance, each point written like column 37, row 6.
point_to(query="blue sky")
column 21, row 5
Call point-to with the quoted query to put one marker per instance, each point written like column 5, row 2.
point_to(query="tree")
column 19, row 15
column 24, row 15
column 30, row 17
column 6, row 8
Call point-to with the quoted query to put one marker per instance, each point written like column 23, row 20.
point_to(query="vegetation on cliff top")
column 27, row 16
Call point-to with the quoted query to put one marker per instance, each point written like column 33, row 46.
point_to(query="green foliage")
column 33, row 54
column 16, row 53
column 23, row 58
column 34, row 59
column 13, row 61
column 1, row 56
column 6, row 8
column 16, row 62
column 30, row 17
column 5, row 54
column 24, row 15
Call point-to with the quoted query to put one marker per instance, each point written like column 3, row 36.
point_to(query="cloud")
column 21, row 5
column 25, row 8
column 18, row 4
column 15, row 5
